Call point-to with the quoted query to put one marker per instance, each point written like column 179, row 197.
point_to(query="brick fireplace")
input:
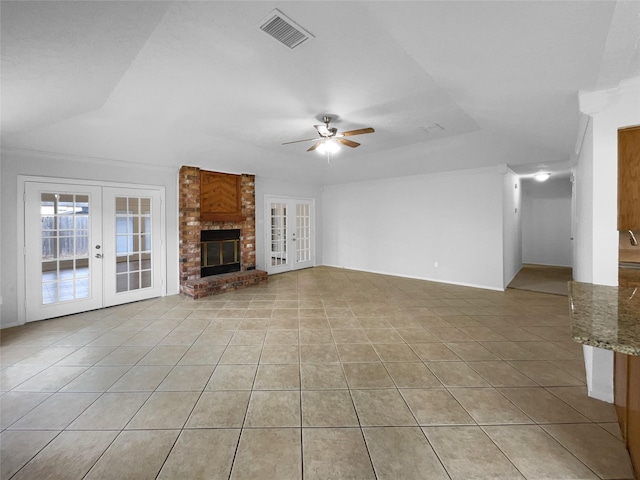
column 191, row 226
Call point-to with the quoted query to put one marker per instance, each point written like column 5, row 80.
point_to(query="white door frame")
column 268, row 199
column 20, row 234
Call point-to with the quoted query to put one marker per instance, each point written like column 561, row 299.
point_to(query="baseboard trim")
column 428, row 279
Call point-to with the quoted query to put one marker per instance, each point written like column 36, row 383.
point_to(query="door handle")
column 98, row 255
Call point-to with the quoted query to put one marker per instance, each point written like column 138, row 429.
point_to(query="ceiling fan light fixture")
column 330, row 140
column 328, row 146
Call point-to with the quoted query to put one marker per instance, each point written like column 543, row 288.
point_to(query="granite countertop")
column 607, row 317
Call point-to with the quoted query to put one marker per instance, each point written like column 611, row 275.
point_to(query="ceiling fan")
column 330, row 135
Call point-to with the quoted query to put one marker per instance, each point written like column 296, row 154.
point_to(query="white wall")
column 403, row 226
column 596, row 178
column 583, row 219
column 609, row 110
column 1, row 230
column 265, row 186
column 546, row 221
column 511, row 226
column 16, row 163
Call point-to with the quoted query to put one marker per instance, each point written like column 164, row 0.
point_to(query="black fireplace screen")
column 219, row 252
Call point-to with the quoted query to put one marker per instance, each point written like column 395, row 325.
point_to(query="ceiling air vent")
column 283, row 29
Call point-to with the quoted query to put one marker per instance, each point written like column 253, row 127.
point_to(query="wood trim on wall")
column 220, row 197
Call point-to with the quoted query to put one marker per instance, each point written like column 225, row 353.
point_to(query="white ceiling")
column 198, row 83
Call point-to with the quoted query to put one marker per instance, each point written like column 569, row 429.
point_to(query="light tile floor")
column 322, row 373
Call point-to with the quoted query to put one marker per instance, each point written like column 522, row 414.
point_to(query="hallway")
column 543, row 279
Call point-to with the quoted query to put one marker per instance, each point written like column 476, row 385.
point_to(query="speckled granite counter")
column 607, row 317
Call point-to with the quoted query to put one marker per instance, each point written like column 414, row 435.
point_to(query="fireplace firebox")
column 219, row 252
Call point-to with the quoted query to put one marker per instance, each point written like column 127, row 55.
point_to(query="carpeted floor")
column 543, row 278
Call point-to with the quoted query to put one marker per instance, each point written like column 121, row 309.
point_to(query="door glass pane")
column 303, row 232
column 133, row 243
column 145, row 243
column 134, row 281
column 64, row 238
column 145, row 206
column 122, row 282
column 145, row 262
column 145, row 279
column 278, row 234
column 82, row 245
column 121, row 226
column 133, row 206
column 121, row 205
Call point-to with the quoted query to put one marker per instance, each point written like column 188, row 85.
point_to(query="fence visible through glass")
column 64, row 220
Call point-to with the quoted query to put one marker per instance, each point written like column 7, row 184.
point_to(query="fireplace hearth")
column 219, row 252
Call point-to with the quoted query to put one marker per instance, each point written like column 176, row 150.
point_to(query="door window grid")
column 133, row 243
column 278, row 234
column 64, row 226
column 303, row 232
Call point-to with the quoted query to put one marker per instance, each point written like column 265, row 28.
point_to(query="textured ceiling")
column 198, row 83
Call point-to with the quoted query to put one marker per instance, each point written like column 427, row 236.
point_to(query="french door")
column 290, row 229
column 90, row 246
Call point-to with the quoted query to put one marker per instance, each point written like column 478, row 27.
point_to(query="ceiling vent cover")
column 283, row 29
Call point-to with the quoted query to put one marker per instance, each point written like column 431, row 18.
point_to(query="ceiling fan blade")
column 348, row 143
column 314, row 146
column 358, row 132
column 298, row 141
column 323, row 130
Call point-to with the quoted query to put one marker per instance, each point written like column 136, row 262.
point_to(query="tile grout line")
column 246, row 413
column 300, row 400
